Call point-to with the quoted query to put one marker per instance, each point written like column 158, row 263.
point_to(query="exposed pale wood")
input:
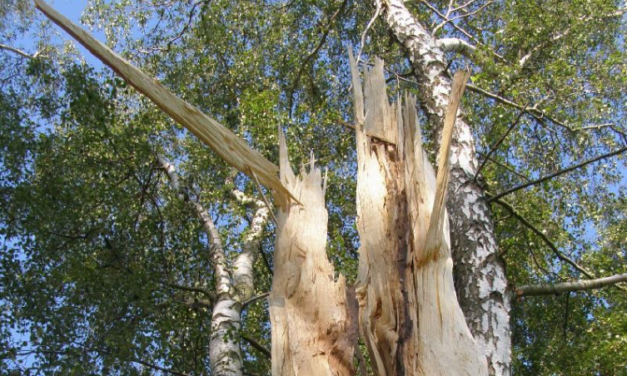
column 225, row 143
column 313, row 325
column 380, row 218
column 410, row 319
column 436, row 223
column 480, row 274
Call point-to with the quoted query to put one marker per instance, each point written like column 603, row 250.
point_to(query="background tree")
column 96, row 239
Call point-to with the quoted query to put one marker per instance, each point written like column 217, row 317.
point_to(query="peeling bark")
column 313, row 330
column 479, row 275
column 409, row 316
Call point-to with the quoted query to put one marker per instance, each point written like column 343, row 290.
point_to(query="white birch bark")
column 480, row 277
column 224, row 351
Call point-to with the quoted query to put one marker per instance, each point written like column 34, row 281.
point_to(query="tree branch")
column 218, row 257
column 254, row 343
column 456, row 45
column 508, row 168
column 542, row 236
column 254, row 299
column 498, row 143
column 556, row 174
column 205, row 292
column 559, row 288
column 314, row 52
column 158, row 368
column 19, row 52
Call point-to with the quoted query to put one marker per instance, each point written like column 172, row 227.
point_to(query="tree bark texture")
column 479, row 274
column 225, row 354
column 312, row 313
column 409, row 316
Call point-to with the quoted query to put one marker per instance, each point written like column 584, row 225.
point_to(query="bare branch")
column 314, row 52
column 448, row 20
column 559, row 288
column 540, row 115
column 254, row 343
column 178, row 36
column 18, row 52
column 254, row 299
column 456, row 45
column 263, row 196
column 547, row 241
column 463, row 6
column 542, row 236
column 158, row 368
column 556, row 174
column 508, row 168
column 498, row 143
column 205, row 292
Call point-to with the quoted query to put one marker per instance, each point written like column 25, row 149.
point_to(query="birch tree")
column 152, row 271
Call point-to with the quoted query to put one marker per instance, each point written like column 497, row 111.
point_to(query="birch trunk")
column 409, row 317
column 225, row 355
column 313, row 330
column 480, row 275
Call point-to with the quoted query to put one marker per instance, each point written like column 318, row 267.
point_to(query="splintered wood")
column 409, row 316
column 314, row 329
column 225, row 143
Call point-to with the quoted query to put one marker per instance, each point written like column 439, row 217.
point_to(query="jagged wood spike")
column 225, row 143
column 312, row 314
column 358, row 95
column 436, row 222
column 380, row 119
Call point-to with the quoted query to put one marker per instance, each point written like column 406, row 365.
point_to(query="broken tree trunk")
column 480, row 274
column 409, row 318
column 312, row 314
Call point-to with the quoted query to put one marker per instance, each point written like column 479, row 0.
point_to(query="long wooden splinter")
column 225, row 143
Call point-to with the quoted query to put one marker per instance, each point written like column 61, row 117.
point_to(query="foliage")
column 94, row 239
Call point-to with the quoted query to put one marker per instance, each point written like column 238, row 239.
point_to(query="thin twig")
column 263, row 196
column 556, row 174
column 448, row 20
column 544, row 238
column 314, row 51
column 254, row 299
column 200, row 290
column 254, row 343
column 498, row 143
column 508, row 168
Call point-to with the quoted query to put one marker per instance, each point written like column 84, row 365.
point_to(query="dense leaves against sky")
column 95, row 246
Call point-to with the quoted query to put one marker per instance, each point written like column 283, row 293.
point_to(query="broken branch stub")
column 225, row 143
column 409, row 318
column 314, row 331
